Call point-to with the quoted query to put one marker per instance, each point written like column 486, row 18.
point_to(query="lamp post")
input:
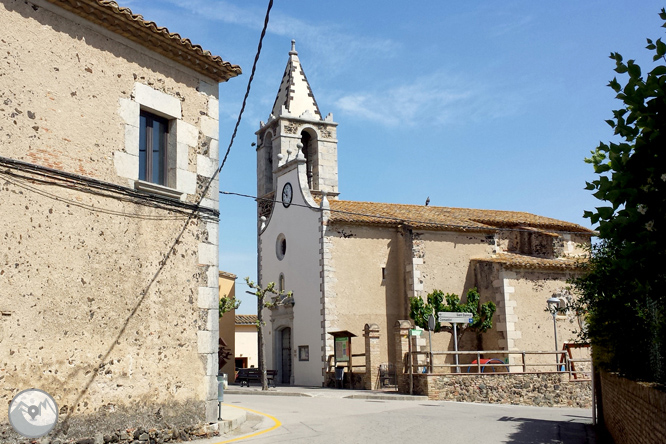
column 553, row 306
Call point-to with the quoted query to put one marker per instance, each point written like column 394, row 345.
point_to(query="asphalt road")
column 314, row 420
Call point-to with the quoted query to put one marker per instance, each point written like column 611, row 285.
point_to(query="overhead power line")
column 144, row 293
column 396, row 219
column 247, row 94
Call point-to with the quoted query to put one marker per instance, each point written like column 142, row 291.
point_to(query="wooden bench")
column 245, row 375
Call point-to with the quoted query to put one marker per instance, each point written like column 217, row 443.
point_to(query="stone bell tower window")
column 268, row 162
column 308, row 152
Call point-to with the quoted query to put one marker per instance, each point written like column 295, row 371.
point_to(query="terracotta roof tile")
column 246, row 319
column 512, row 260
column 122, row 21
column 227, row 275
column 445, row 218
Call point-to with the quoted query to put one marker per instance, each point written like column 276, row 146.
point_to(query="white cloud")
column 438, row 98
column 333, row 44
column 511, row 25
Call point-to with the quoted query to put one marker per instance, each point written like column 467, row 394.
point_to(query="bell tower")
column 294, row 121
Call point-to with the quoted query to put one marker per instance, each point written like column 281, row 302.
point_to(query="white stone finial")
column 293, row 48
column 299, row 152
column 263, row 223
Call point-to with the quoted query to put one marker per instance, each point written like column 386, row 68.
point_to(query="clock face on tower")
column 287, row 195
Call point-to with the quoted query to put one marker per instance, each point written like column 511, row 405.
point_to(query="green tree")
column 624, row 287
column 227, row 304
column 267, row 297
column 482, row 314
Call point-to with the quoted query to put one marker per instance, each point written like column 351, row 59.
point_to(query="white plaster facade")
column 300, row 265
column 246, row 344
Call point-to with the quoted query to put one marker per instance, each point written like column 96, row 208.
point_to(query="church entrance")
column 285, row 345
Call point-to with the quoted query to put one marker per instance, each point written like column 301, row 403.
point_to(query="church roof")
column 156, row 38
column 295, row 94
column 511, row 260
column 246, row 319
column 445, row 218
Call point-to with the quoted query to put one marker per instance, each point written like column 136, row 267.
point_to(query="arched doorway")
column 285, row 355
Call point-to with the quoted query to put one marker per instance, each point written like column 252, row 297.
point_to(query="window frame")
column 146, row 140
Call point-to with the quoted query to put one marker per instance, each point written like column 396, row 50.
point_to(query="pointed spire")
column 295, row 95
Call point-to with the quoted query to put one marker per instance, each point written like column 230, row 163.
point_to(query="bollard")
column 221, row 379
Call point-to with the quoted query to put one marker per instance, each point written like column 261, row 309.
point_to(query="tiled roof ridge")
column 461, row 218
column 524, row 261
column 227, row 274
column 108, row 14
column 246, row 319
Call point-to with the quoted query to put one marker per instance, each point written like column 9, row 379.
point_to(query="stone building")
column 227, row 289
column 355, row 263
column 247, row 354
column 108, row 267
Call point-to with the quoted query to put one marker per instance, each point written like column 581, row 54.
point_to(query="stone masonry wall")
column 537, row 389
column 73, row 270
column 77, row 320
column 633, row 412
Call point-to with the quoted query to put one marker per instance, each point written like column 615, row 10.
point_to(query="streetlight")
column 553, row 306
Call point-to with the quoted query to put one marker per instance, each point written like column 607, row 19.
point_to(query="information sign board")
column 455, row 317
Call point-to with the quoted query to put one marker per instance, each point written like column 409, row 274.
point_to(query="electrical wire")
column 37, row 174
column 145, row 292
column 398, row 219
column 247, row 94
column 21, row 182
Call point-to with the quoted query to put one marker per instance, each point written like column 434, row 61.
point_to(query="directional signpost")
column 431, row 327
column 455, row 318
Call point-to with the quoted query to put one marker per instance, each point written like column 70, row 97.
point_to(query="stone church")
column 354, row 263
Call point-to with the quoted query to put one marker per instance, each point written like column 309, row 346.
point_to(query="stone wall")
column 82, row 320
column 537, row 389
column 633, row 412
column 85, row 314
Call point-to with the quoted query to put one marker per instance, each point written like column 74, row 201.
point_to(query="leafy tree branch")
column 267, row 297
column 437, row 301
column 623, row 289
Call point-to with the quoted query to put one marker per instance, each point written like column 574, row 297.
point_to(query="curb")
column 390, row 397
column 265, row 393
column 233, row 418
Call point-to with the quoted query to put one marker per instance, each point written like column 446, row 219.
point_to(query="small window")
column 383, row 273
column 281, row 246
column 153, row 144
column 281, row 283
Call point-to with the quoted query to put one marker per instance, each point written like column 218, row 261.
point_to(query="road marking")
column 277, row 424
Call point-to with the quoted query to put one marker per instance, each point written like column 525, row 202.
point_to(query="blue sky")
column 479, row 104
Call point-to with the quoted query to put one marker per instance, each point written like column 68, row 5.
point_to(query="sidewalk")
column 322, row 392
column 232, row 418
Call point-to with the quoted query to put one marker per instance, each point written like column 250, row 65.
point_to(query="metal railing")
column 426, row 362
column 355, row 363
